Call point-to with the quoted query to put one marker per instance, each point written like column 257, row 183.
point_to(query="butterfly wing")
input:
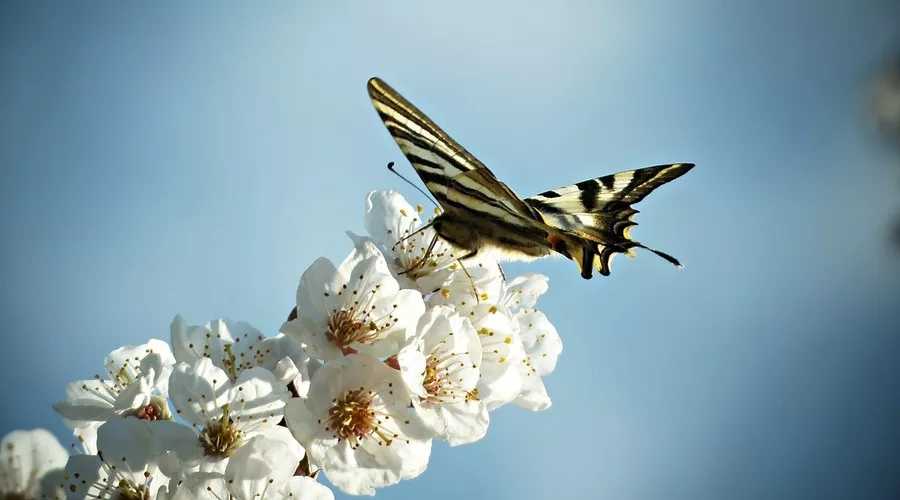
column 599, row 210
column 453, row 175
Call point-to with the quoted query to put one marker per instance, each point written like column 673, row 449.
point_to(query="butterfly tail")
column 590, row 255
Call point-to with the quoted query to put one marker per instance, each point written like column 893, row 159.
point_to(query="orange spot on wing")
column 553, row 240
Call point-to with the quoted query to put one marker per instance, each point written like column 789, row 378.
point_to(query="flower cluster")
column 399, row 344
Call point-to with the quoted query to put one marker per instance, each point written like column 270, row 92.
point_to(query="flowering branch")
column 399, row 344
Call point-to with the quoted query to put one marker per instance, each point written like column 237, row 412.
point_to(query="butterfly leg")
column 421, row 262
column 466, row 272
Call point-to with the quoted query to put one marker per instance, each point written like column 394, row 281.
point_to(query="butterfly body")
column 587, row 222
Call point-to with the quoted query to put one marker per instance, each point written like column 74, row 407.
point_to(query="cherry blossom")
column 136, row 383
column 442, row 367
column 356, row 307
column 359, row 425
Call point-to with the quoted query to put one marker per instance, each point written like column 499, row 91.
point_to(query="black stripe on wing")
column 599, row 211
column 443, row 165
column 628, row 187
column 418, row 137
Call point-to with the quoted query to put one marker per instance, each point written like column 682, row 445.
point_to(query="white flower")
column 502, row 352
column 392, row 222
column 356, row 307
column 442, row 368
column 542, row 348
column 136, row 384
column 29, row 460
column 235, row 346
column 540, row 340
column 358, row 424
column 260, row 469
column 127, row 464
column 226, row 413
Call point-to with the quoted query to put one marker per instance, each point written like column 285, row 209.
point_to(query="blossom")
column 262, row 468
column 136, row 383
column 29, row 464
column 127, row 465
column 396, row 227
column 356, row 307
column 225, row 413
column 540, row 339
column 235, row 346
column 358, row 424
column 502, row 352
column 441, row 367
column 542, row 348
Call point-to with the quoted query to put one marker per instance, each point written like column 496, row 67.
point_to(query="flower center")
column 126, row 490
column 220, row 438
column 433, row 380
column 345, row 329
column 351, row 416
column 157, row 409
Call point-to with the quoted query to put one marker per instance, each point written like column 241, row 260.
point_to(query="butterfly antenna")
column 390, row 167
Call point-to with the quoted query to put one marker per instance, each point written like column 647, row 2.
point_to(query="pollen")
column 127, row 490
column 344, row 328
column 432, row 382
column 220, row 438
column 485, row 332
column 352, row 417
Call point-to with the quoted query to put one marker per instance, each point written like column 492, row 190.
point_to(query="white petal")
column 87, row 400
column 534, row 395
column 523, row 291
column 265, row 463
column 464, row 422
column 306, row 488
column 124, row 363
column 501, row 352
column 388, row 216
column 199, row 390
column 202, row 486
column 87, row 478
column 257, row 399
column 541, row 340
column 25, row 457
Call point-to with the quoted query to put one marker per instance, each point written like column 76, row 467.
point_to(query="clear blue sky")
column 196, row 158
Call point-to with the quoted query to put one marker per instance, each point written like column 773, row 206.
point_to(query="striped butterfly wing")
column 452, row 174
column 599, row 210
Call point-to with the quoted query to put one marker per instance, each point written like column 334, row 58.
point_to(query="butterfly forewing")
column 450, row 172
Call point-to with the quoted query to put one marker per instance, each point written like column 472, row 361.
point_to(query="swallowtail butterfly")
column 587, row 222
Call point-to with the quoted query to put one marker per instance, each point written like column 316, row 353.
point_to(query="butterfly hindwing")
column 600, row 210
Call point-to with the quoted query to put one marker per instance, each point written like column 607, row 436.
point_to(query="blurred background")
column 195, row 158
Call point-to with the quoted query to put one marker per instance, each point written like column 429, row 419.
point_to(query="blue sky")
column 196, row 158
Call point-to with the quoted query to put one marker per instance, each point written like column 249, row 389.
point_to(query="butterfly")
column 588, row 222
